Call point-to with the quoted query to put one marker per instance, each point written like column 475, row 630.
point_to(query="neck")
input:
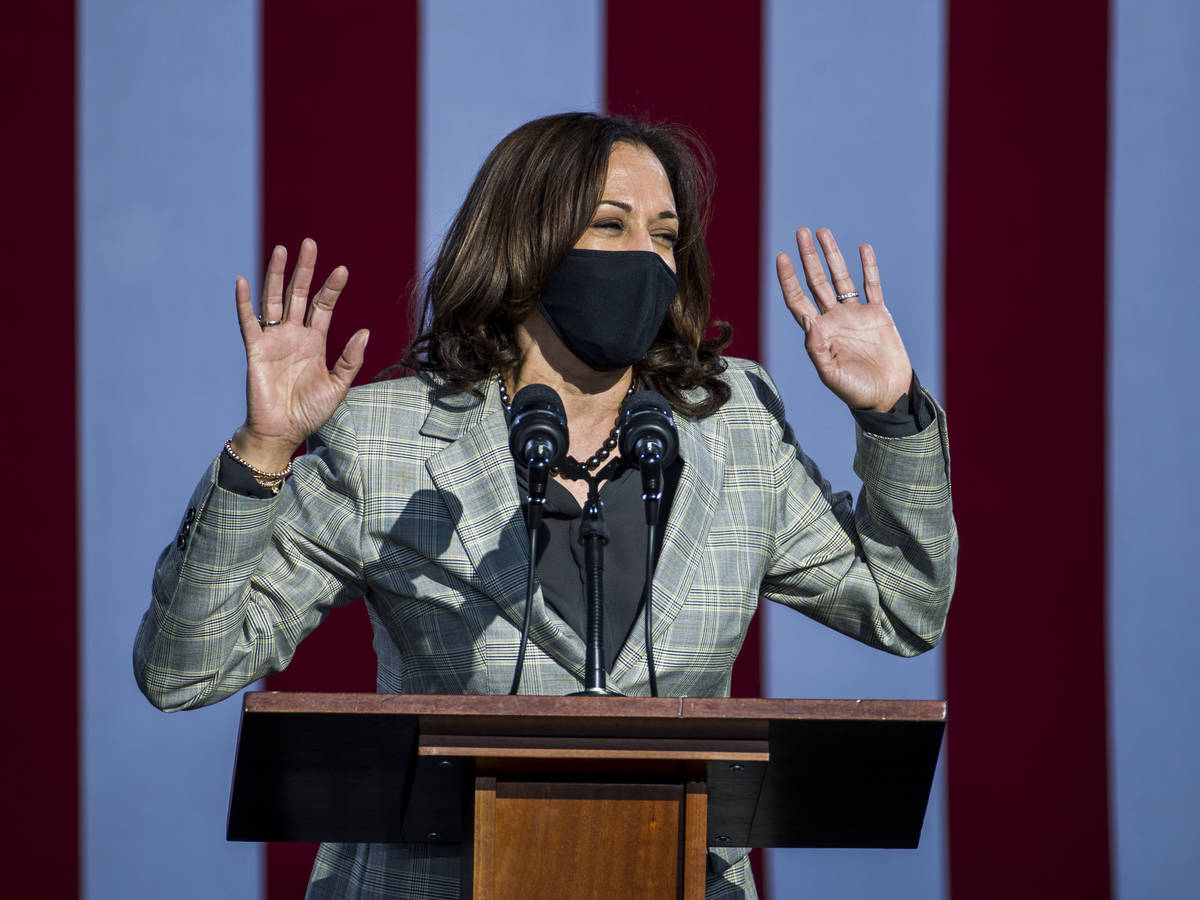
column 590, row 399
column 586, row 393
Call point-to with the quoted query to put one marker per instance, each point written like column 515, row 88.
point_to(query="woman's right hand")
column 289, row 392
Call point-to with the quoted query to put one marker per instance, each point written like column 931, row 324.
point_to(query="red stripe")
column 41, row 757
column 1025, row 356
column 662, row 63
column 340, row 96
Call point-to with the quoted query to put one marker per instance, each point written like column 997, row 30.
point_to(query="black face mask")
column 606, row 306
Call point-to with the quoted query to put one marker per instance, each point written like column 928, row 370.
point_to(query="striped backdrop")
column 1026, row 172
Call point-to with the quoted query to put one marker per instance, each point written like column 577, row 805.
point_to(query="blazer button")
column 181, row 542
column 191, row 514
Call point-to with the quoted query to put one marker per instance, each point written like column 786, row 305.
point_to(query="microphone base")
column 597, row 692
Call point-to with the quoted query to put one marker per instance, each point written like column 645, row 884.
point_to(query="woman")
column 577, row 261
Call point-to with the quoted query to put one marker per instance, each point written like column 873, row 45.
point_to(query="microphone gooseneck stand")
column 533, row 518
column 538, row 438
column 650, row 442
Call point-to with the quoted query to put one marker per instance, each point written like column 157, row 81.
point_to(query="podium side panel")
column 313, row 777
column 846, row 784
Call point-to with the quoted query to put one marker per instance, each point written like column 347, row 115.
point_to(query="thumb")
column 351, row 360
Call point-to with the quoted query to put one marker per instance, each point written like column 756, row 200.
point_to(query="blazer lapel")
column 685, row 539
column 474, row 475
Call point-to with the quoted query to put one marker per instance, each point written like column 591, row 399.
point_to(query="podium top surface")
column 474, row 706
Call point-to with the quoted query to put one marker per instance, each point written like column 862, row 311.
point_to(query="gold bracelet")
column 272, row 481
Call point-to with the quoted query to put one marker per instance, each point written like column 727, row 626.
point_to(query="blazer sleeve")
column 880, row 570
column 247, row 578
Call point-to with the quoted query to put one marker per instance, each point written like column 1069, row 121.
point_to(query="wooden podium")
column 584, row 796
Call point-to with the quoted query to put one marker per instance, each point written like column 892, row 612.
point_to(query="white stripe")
column 1154, row 444
column 853, row 141
column 168, row 214
column 487, row 68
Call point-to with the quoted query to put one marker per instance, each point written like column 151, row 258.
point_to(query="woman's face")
column 637, row 209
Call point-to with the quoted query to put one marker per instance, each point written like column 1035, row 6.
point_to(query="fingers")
column 829, row 291
column 272, row 295
column 814, row 273
column 351, row 360
column 279, row 305
column 871, row 284
column 793, row 295
column 321, row 310
column 245, row 311
column 302, row 275
column 842, row 282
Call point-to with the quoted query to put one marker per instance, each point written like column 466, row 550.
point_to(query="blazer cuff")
column 921, row 459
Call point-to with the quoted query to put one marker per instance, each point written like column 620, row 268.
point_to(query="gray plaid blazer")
column 410, row 499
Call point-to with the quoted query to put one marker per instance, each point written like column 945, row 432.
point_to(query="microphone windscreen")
column 647, row 415
column 538, row 415
column 647, row 400
column 540, row 395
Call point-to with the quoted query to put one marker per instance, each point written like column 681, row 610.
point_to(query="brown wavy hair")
column 533, row 199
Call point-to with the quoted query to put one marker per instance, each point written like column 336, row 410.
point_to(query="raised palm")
column 855, row 346
column 289, row 391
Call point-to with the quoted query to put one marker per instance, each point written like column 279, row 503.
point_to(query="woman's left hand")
column 854, row 345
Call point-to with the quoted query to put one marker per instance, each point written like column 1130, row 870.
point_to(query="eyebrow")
column 665, row 214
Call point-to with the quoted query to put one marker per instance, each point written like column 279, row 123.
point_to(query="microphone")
column 650, row 443
column 538, row 438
